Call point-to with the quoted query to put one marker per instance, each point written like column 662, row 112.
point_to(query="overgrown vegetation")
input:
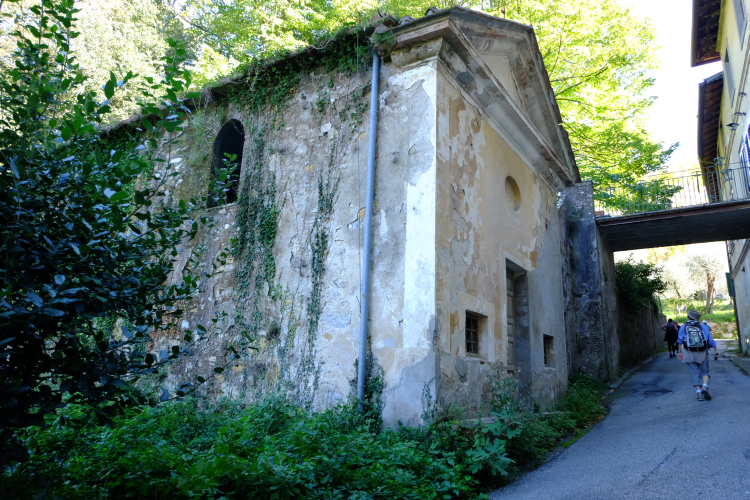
column 638, row 282
column 86, row 255
column 277, row 449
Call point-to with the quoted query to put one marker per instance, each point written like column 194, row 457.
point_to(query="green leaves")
column 638, row 282
column 119, row 196
column 272, row 449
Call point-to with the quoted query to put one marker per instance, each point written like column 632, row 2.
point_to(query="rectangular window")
column 745, row 163
column 739, row 11
column 728, row 77
column 472, row 334
column 549, row 351
column 511, row 315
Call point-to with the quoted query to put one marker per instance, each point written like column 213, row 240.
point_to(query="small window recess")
column 472, row 327
column 549, row 351
column 229, row 141
column 510, row 301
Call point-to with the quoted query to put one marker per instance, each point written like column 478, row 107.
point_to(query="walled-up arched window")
column 230, row 140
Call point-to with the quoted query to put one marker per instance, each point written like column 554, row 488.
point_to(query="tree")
column 596, row 52
column 706, row 271
column 86, row 244
column 114, row 36
column 662, row 255
column 638, row 282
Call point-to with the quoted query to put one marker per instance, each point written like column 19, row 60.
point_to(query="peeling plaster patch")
column 175, row 160
column 382, row 101
column 380, row 344
column 185, row 324
column 420, row 266
column 326, row 128
column 424, row 72
column 419, row 255
column 383, row 226
column 461, row 366
column 337, row 320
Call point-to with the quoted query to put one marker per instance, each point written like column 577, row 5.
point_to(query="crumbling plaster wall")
column 299, row 151
column 478, row 228
column 591, row 302
column 604, row 334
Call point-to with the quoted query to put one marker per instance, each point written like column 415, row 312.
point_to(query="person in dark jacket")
column 671, row 329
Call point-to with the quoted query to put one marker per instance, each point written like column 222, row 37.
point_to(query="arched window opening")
column 230, row 140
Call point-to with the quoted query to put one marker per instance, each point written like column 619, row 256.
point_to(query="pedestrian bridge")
column 697, row 207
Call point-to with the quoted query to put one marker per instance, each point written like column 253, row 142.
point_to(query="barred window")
column 472, row 334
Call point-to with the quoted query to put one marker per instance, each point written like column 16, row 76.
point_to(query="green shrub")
column 638, row 282
column 537, row 432
column 272, row 450
column 277, row 449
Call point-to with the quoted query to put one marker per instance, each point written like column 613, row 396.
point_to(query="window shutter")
column 728, row 76
column 739, row 11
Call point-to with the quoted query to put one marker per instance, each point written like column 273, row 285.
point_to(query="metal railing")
column 665, row 193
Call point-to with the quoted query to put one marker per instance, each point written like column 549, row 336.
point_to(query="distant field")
column 722, row 321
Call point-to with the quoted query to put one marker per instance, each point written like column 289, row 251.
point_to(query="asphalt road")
column 657, row 442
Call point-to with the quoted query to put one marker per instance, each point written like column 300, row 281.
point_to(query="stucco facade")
column 470, row 161
column 720, row 33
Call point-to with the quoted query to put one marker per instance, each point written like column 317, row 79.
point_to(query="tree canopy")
column 597, row 54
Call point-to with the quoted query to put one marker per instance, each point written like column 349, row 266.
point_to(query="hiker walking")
column 670, row 336
column 693, row 341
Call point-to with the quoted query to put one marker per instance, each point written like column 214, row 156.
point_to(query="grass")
column 722, row 321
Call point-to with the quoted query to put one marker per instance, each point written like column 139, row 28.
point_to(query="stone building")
column 467, row 254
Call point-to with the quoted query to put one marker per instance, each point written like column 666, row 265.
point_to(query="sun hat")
column 694, row 315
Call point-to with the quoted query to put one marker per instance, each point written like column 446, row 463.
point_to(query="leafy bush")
column 535, row 432
column 638, row 282
column 277, row 449
column 272, row 450
column 87, row 258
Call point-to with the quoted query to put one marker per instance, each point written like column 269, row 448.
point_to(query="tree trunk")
column 710, row 293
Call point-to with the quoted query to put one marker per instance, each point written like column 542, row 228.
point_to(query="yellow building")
column 720, row 32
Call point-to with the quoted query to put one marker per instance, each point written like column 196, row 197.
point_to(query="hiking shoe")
column 699, row 396
column 705, row 394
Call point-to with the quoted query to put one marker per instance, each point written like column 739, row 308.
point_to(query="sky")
column 674, row 115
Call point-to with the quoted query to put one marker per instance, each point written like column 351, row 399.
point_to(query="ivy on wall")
column 287, row 321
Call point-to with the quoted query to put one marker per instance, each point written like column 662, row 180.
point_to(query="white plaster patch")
column 419, row 258
column 425, row 72
column 383, row 226
column 326, row 128
column 382, row 99
column 337, row 320
column 185, row 323
column 175, row 160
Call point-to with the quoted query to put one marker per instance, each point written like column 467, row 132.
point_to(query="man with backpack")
column 693, row 342
column 670, row 336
